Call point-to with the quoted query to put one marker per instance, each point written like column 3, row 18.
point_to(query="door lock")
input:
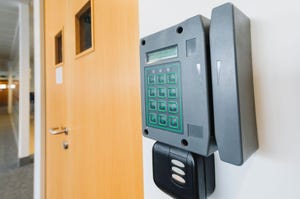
column 65, row 145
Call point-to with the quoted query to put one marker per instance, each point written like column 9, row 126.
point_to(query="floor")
column 15, row 182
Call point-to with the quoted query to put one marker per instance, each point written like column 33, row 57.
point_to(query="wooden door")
column 56, row 157
column 98, row 100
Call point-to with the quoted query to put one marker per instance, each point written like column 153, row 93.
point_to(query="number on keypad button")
column 172, row 106
column 173, row 122
column 172, row 78
column 162, row 106
column 172, row 92
column 162, row 120
column 152, row 118
column 152, row 105
column 161, row 79
column 161, row 92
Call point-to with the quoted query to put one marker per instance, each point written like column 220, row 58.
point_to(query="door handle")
column 58, row 130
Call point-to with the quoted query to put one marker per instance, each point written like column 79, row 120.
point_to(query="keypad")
column 163, row 98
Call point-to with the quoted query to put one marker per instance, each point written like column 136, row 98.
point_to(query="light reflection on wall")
column 5, row 86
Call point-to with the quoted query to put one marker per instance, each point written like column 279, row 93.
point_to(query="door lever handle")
column 58, row 130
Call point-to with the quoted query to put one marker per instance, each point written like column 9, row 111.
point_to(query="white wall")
column 24, row 82
column 274, row 170
column 39, row 105
column 14, row 76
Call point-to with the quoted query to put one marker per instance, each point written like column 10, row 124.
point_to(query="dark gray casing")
column 233, row 95
column 196, row 101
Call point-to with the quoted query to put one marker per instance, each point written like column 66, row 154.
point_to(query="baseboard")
column 26, row 160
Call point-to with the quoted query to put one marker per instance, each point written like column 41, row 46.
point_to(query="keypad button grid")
column 163, row 99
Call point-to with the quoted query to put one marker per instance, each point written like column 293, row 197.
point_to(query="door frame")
column 39, row 106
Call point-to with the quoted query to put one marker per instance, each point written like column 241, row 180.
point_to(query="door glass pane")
column 84, row 29
column 58, row 48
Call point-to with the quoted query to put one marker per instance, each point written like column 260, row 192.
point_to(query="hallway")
column 15, row 182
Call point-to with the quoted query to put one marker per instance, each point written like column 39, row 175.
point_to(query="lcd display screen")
column 161, row 54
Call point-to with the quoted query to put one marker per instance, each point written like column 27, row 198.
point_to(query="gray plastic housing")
column 195, row 84
column 233, row 94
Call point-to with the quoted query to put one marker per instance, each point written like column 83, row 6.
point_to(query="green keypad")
column 163, row 97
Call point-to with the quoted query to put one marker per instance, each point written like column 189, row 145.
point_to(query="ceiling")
column 8, row 24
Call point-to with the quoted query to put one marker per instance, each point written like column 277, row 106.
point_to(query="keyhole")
column 65, row 145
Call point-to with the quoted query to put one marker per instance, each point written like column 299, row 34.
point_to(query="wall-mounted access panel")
column 175, row 82
column 197, row 97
